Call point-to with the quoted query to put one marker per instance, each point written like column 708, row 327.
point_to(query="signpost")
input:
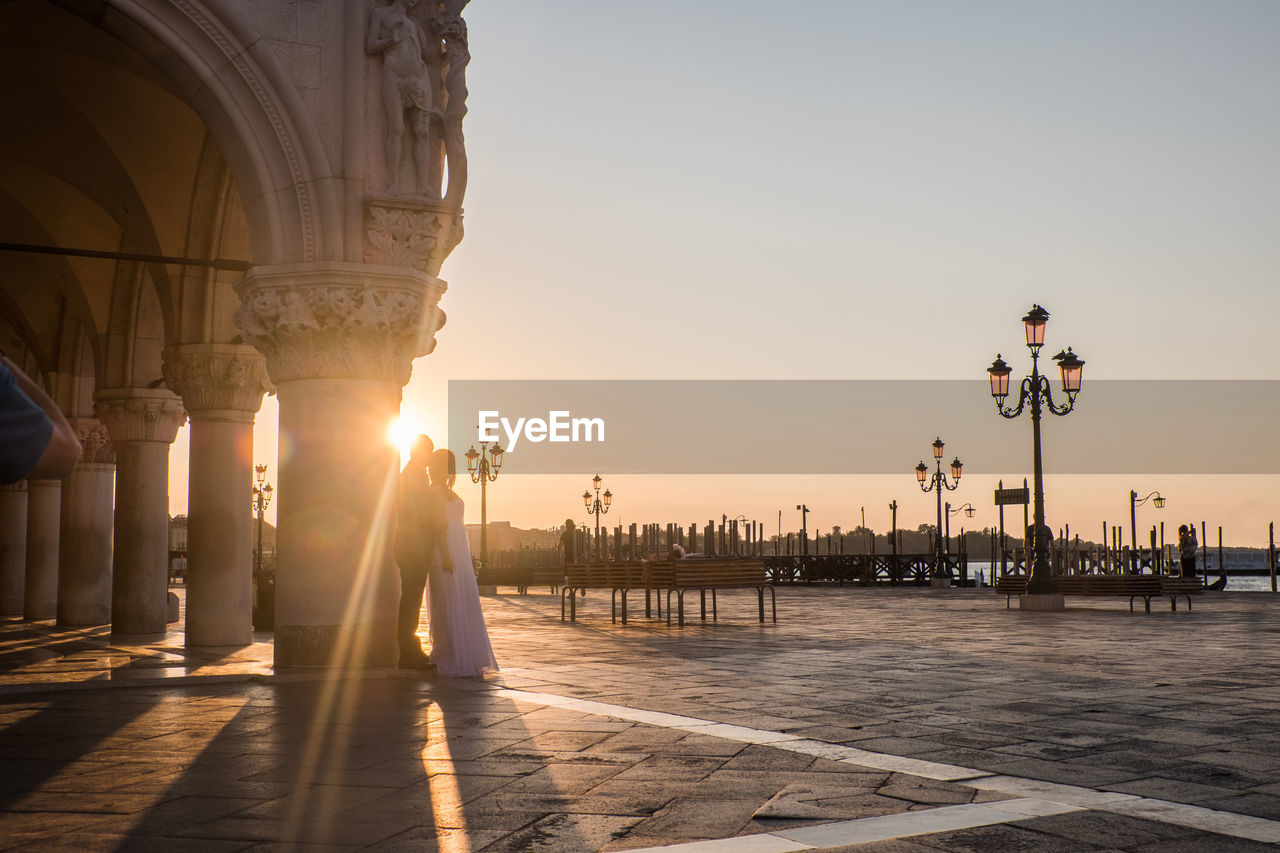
column 1009, row 497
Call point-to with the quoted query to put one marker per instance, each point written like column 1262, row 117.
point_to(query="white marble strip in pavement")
column 1072, row 797
column 867, row 829
column 1198, row 817
column 1162, row 811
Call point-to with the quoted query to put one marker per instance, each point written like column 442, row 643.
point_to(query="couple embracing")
column 434, row 557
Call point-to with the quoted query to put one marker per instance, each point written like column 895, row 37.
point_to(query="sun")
column 400, row 435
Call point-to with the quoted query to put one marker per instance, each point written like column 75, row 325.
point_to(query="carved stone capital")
column 217, row 378
column 401, row 232
column 339, row 320
column 20, row 486
column 140, row 414
column 95, row 441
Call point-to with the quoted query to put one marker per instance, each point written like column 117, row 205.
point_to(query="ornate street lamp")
column 261, row 500
column 938, row 482
column 966, row 508
column 483, row 465
column 1036, row 390
column 597, row 505
column 1157, row 499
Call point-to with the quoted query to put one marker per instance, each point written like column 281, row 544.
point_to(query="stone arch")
column 231, row 78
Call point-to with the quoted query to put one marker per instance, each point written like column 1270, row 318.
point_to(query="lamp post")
column 1157, row 499
column 483, row 466
column 893, row 527
column 938, row 482
column 1036, row 389
column 966, row 508
column 261, row 500
column 804, row 529
column 597, row 507
column 870, row 536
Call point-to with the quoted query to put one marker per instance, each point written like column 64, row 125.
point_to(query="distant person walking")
column 1187, row 545
column 569, row 542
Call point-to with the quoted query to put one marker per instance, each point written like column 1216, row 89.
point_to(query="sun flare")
column 400, row 434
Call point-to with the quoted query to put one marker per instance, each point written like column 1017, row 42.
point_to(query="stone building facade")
column 202, row 201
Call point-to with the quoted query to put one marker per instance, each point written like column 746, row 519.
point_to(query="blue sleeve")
column 25, row 430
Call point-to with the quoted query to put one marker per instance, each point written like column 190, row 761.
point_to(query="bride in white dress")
column 459, row 639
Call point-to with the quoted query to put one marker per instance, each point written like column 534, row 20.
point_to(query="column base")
column 488, row 589
column 362, row 644
column 940, row 583
column 1044, row 602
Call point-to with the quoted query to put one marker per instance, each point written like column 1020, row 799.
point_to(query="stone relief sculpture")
column 423, row 92
column 453, row 32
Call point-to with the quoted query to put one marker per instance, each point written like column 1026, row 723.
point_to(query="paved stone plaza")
column 888, row 720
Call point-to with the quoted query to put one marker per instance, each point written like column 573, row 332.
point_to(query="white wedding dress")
column 459, row 639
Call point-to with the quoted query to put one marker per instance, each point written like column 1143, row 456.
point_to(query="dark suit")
column 416, row 547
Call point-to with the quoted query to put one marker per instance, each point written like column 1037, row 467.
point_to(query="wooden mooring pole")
column 1271, row 552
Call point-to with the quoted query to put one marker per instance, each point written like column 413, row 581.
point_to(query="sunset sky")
column 863, row 190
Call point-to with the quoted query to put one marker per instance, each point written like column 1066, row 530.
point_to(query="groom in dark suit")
column 418, row 542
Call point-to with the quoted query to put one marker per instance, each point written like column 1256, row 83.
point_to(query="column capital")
column 216, row 380
column 95, row 440
column 20, row 486
column 134, row 415
column 340, row 320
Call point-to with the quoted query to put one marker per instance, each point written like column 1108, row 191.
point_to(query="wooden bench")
column 1009, row 586
column 1131, row 586
column 1174, row 587
column 671, row 576
column 617, row 577
column 523, row 577
column 709, row 575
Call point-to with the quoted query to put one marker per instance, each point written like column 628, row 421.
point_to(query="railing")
column 865, row 569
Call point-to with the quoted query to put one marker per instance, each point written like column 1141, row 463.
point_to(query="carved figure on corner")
column 408, row 96
column 453, row 32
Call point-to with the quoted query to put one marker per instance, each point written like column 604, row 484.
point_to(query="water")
column 1235, row 583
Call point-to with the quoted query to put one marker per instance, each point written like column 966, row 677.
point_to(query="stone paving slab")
column 717, row 720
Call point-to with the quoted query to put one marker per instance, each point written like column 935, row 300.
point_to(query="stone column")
column 221, row 387
column 84, row 559
column 40, row 596
column 13, row 547
column 339, row 341
column 142, row 423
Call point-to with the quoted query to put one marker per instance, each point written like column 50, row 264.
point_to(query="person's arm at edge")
column 63, row 450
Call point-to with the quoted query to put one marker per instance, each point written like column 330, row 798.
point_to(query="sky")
column 863, row 190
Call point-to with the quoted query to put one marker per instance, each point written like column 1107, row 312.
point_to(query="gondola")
column 1218, row 585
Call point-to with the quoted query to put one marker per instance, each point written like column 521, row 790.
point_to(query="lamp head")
column 937, row 448
column 1034, row 323
column 999, row 375
column 956, row 468
column 1072, row 368
column 922, row 471
column 586, row 499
